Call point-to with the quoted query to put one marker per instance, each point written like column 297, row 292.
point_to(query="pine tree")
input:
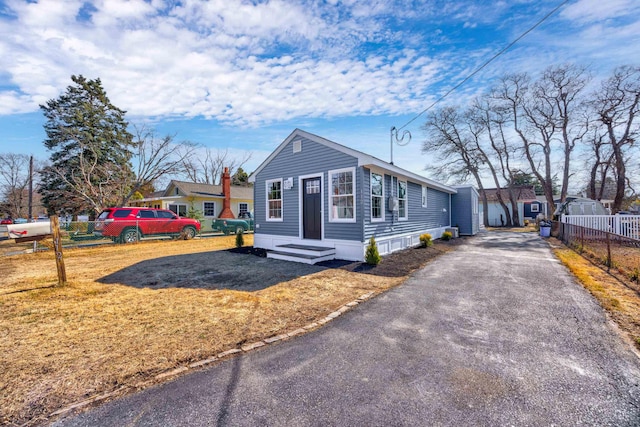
column 90, row 147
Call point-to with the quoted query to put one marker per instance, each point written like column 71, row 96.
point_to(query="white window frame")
column 267, row 185
column 240, row 210
column 406, row 199
column 425, row 201
column 215, row 209
column 330, row 196
column 382, row 201
column 536, row 206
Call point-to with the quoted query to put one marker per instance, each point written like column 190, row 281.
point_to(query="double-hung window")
column 402, row 199
column 243, row 208
column 377, row 197
column 209, row 208
column 341, row 195
column 274, row 200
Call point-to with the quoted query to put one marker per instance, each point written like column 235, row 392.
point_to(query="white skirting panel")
column 389, row 244
column 345, row 249
column 348, row 249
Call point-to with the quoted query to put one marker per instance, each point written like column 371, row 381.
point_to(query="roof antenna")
column 399, row 141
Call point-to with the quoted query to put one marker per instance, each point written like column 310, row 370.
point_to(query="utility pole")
column 30, row 188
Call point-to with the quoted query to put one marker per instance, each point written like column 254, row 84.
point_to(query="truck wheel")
column 188, row 233
column 130, row 235
column 225, row 231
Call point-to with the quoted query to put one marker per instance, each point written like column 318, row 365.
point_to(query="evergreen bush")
column 372, row 257
column 239, row 239
column 447, row 235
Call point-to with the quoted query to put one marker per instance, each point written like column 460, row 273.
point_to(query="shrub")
column 239, row 239
column 447, row 235
column 372, row 257
column 425, row 240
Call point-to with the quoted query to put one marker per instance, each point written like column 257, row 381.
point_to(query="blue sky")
column 241, row 75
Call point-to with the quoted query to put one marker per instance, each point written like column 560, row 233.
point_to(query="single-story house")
column 181, row 196
column 527, row 204
column 316, row 200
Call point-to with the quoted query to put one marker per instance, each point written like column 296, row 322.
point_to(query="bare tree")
column 616, row 105
column 560, row 109
column 14, row 183
column 492, row 117
column 155, row 157
column 208, row 169
column 98, row 184
column 533, row 127
column 457, row 148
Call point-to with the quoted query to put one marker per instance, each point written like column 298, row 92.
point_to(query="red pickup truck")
column 130, row 224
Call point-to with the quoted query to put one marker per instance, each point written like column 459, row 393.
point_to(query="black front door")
column 311, row 208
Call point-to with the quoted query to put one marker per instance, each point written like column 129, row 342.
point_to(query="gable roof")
column 197, row 189
column 363, row 160
column 523, row 193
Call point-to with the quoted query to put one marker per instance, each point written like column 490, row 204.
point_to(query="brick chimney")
column 226, row 190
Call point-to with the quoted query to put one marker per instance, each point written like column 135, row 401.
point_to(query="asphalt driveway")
column 495, row 333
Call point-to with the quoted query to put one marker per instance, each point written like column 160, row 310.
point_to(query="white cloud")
column 248, row 64
column 598, row 10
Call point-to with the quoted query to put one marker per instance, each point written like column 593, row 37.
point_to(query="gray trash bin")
column 545, row 228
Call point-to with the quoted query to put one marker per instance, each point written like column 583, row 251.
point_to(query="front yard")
column 131, row 312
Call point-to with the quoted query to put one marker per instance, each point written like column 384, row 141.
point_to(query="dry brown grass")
column 59, row 345
column 621, row 301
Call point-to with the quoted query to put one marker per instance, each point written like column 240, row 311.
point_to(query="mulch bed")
column 397, row 264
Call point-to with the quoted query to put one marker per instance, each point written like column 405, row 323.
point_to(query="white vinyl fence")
column 623, row 225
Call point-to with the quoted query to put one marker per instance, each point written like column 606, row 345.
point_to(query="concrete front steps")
column 302, row 253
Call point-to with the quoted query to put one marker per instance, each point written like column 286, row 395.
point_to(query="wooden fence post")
column 57, row 247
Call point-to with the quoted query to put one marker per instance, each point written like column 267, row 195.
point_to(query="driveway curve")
column 495, row 333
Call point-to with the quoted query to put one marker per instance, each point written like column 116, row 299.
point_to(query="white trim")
column 537, row 207
column 266, row 198
column 353, row 194
column 406, row 199
column 382, row 207
column 363, row 160
column 425, row 197
column 300, row 207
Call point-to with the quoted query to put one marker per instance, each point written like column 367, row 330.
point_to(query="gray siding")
column 314, row 158
column 463, row 214
column 419, row 218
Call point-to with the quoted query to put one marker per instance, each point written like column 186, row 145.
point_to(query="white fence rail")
column 623, row 225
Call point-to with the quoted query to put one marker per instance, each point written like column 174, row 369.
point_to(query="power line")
column 544, row 18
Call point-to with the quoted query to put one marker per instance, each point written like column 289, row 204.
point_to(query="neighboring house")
column 181, row 196
column 580, row 206
column 528, row 205
column 316, row 199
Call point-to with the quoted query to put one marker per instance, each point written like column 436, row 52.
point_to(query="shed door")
column 311, row 209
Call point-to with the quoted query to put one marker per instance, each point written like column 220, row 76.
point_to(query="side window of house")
column 424, row 197
column 535, row 207
column 377, row 197
column 274, row 200
column 178, row 209
column 243, row 208
column 209, row 208
column 341, row 196
column 402, row 199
